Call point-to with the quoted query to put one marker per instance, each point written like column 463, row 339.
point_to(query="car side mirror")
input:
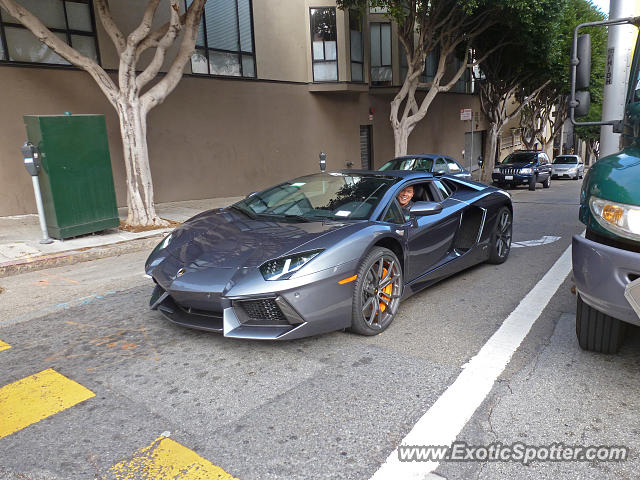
column 422, row 209
column 439, row 173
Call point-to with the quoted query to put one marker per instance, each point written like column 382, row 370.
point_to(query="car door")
column 430, row 238
column 545, row 166
column 440, row 166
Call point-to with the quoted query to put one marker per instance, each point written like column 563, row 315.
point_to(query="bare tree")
column 542, row 119
column 132, row 96
column 498, row 99
column 443, row 26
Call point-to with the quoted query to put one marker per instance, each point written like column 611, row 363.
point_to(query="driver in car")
column 404, row 199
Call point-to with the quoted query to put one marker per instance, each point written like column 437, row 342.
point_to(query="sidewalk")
column 21, row 250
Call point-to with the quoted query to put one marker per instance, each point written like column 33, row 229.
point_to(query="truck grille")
column 509, row 171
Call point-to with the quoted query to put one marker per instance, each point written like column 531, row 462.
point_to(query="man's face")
column 405, row 196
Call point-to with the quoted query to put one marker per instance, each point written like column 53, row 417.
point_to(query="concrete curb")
column 86, row 254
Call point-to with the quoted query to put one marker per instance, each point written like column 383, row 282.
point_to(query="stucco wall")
column 218, row 137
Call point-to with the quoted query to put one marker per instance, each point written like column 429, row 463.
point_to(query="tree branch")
column 144, row 28
column 165, row 42
column 104, row 14
column 160, row 90
column 45, row 35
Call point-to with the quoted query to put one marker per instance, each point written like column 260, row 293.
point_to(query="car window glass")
column 453, row 166
column 423, row 192
column 519, row 157
column 445, row 191
column 333, row 195
column 425, row 164
column 394, row 213
column 440, row 166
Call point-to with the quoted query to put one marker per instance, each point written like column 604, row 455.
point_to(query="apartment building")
column 272, row 83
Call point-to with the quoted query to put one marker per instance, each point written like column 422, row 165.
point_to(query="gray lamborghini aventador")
column 325, row 252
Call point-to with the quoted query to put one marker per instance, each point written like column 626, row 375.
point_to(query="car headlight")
column 496, row 170
column 618, row 218
column 526, row 171
column 283, row 268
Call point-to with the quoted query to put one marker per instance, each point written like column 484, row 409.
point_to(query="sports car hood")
column 225, row 238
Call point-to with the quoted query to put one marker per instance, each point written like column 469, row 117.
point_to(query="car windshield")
column 565, row 160
column 334, row 196
column 520, row 157
column 425, row 164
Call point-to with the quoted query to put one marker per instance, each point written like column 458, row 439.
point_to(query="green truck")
column 606, row 260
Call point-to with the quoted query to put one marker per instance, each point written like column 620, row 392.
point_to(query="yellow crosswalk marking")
column 166, row 459
column 4, row 346
column 37, row 397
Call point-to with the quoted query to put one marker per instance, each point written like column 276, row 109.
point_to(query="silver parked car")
column 568, row 166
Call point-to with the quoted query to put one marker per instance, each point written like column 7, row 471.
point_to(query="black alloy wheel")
column 501, row 237
column 377, row 292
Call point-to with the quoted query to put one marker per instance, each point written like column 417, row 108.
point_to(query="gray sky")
column 602, row 5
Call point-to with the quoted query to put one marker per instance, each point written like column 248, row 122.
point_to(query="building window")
column 464, row 83
column 224, row 45
column 324, row 44
column 356, row 50
column 381, row 72
column 71, row 20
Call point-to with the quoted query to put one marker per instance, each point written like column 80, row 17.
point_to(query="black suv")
column 523, row 167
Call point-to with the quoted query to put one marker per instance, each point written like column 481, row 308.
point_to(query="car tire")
column 532, row 183
column 500, row 244
column 597, row 331
column 374, row 307
column 547, row 182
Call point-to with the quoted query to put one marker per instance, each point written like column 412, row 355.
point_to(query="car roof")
column 404, row 174
column 421, row 155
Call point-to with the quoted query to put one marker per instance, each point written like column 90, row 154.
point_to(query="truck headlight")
column 283, row 268
column 496, row 170
column 618, row 218
column 526, row 171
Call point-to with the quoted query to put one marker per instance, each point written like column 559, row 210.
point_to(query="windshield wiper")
column 246, row 211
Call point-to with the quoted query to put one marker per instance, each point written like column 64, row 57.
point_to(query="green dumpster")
column 76, row 178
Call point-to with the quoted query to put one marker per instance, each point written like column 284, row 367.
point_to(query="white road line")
column 535, row 243
column 446, row 418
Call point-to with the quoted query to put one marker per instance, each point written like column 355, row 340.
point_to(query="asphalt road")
column 333, row 406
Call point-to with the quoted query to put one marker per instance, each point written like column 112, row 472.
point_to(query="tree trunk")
column 133, row 127
column 491, row 147
column 401, row 139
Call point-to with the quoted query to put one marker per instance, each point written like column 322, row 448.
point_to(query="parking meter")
column 323, row 161
column 31, row 157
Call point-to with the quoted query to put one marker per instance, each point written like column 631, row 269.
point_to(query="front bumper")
column 515, row 179
column 564, row 173
column 312, row 305
column 602, row 273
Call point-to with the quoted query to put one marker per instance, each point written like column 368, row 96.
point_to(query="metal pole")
column 471, row 156
column 43, row 222
column 620, row 44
